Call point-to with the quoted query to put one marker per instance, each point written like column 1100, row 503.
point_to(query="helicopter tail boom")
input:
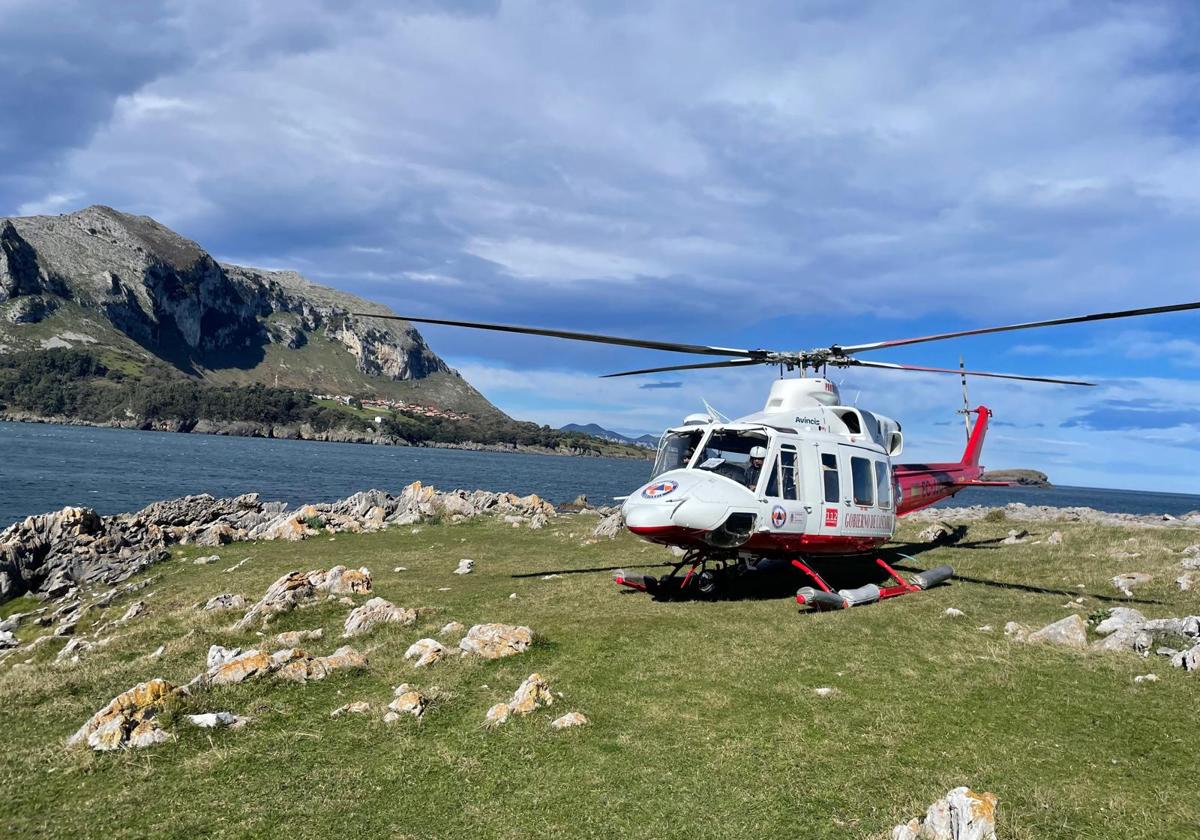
column 921, row 485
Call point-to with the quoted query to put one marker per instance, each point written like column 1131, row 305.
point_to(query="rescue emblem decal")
column 660, row 489
column 778, row 516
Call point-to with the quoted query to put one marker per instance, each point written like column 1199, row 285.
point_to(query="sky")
column 783, row 175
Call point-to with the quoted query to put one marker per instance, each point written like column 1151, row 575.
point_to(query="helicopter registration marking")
column 660, row 489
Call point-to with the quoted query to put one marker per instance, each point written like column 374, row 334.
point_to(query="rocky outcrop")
column 128, row 720
column 1068, row 632
column 173, row 299
column 495, row 641
column 1021, row 512
column 962, row 814
column 375, row 612
column 52, row 554
column 534, row 693
column 425, row 652
column 569, row 721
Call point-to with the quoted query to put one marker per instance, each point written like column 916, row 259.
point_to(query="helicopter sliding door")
column 782, row 491
column 867, row 508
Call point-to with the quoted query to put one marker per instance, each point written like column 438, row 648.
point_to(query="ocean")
column 45, row 467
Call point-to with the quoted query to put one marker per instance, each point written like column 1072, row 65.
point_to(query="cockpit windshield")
column 728, row 452
column 675, row 450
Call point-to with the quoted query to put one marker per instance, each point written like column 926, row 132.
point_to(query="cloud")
column 803, row 175
column 650, row 386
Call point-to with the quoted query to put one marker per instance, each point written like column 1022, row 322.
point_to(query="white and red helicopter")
column 807, row 478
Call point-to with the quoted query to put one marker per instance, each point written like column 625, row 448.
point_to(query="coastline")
column 302, row 431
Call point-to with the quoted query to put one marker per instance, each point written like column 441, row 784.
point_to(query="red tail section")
column 923, row 484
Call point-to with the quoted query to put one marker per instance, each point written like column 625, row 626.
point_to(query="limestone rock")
column 1187, row 581
column 1129, row 639
column 342, row 581
column 306, row 668
column 127, row 720
column 425, row 651
column 532, row 694
column 244, row 666
column 358, row 707
column 494, row 641
column 942, row 533
column 225, row 601
column 135, row 609
column 375, row 612
column 281, row 596
column 409, row 701
column 1189, row 659
column 569, row 720
column 1056, row 538
column 1119, row 618
column 953, row 612
column 465, row 567
column 1068, row 632
column 961, row 814
column 1126, row 582
column 1017, row 632
column 218, row 655
column 1015, row 537
column 451, row 628
column 498, row 714
column 1146, row 678
column 216, row 720
column 206, row 560
column 609, row 526
column 294, row 638
column 72, row 650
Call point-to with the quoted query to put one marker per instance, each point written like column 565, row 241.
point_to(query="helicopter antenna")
column 966, row 409
column 713, row 413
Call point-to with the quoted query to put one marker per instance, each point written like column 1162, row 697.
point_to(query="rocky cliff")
column 107, row 280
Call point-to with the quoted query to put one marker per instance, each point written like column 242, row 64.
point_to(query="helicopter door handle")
column 808, row 508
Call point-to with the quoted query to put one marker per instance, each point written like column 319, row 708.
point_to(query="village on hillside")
column 373, row 404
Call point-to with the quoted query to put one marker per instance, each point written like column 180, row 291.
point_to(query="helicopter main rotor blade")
column 1054, row 322
column 730, row 363
column 581, row 336
column 961, row 372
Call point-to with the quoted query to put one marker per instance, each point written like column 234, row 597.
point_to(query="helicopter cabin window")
column 727, row 453
column 785, row 474
column 883, row 484
column 864, row 481
column 829, row 474
column 675, row 451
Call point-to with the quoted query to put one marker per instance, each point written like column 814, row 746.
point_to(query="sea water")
column 45, row 467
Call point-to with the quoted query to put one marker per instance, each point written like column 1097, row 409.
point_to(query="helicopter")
column 805, row 479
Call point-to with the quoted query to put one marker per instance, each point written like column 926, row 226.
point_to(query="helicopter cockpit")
column 718, row 449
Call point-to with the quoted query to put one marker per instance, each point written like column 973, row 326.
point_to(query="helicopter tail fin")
column 978, row 433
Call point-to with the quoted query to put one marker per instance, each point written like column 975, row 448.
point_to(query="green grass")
column 704, row 720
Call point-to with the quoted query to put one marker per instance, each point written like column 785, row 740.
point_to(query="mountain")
column 647, row 441
column 137, row 294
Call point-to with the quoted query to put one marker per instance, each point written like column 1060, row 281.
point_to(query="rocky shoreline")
column 1021, row 512
column 301, row 431
column 52, row 555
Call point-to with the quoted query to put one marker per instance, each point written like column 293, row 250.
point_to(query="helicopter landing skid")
column 822, row 597
column 705, row 576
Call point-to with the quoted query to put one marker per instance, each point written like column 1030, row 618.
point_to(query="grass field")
column 704, row 717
